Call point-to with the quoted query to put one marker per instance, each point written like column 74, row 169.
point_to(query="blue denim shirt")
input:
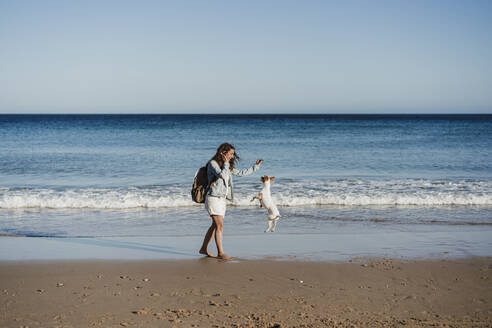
column 220, row 179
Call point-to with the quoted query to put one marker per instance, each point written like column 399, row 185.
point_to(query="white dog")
column 266, row 201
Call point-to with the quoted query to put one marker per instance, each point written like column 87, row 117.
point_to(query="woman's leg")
column 207, row 239
column 219, row 223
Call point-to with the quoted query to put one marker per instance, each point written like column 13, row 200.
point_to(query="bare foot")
column 206, row 252
column 224, row 256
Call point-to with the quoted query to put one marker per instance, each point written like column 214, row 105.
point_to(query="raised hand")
column 227, row 157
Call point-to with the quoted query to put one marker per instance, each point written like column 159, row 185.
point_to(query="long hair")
column 225, row 147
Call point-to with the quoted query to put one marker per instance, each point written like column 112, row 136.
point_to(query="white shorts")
column 215, row 205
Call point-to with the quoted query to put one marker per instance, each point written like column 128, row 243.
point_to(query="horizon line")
column 244, row 114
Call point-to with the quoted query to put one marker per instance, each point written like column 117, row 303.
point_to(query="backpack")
column 200, row 185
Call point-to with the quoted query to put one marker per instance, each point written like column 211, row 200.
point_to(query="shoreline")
column 248, row 293
column 308, row 247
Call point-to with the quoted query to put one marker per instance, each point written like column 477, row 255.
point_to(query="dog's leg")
column 269, row 225
column 274, row 224
column 259, row 197
column 256, row 197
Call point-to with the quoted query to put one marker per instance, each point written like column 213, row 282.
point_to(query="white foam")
column 346, row 192
column 96, row 199
column 378, row 199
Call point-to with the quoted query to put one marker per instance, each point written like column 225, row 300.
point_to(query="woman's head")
column 226, row 150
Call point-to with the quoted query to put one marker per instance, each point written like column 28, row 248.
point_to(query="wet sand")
column 307, row 247
column 248, row 293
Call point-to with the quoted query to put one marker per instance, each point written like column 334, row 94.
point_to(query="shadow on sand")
column 136, row 246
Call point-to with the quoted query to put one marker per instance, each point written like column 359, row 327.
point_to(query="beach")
column 370, row 120
column 206, row 292
column 383, row 279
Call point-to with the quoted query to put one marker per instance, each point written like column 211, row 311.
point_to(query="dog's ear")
column 272, row 178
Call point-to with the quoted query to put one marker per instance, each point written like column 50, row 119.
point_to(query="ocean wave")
column 91, row 198
column 381, row 200
column 344, row 192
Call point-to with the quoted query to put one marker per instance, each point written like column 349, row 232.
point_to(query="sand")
column 247, row 293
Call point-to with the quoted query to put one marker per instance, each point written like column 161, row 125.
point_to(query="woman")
column 219, row 171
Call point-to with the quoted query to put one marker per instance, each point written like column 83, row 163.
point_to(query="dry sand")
column 210, row 293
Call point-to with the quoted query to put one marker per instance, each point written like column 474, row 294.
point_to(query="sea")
column 345, row 185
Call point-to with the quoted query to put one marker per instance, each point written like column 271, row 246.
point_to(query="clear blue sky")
column 246, row 56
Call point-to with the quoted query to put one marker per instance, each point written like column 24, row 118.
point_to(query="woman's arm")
column 217, row 171
column 248, row 171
